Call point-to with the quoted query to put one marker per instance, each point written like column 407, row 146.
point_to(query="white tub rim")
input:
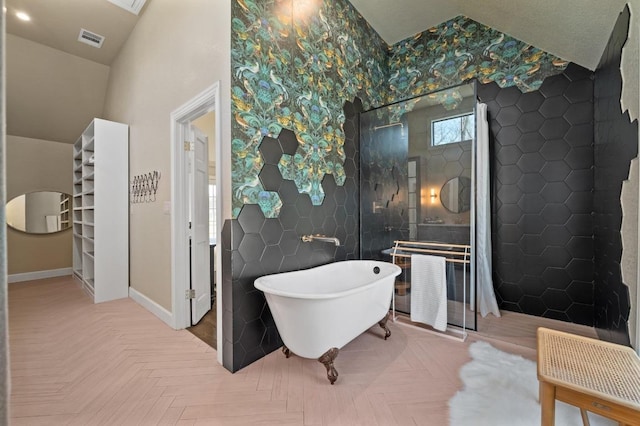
column 260, row 283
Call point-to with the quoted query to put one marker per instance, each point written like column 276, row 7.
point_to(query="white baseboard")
column 152, row 307
column 38, row 275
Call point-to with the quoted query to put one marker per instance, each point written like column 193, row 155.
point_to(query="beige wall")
column 177, row 50
column 38, row 165
column 63, row 91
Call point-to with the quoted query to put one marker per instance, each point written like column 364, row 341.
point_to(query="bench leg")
column 585, row 417
column 548, row 404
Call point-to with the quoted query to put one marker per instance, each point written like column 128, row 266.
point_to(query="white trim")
column 38, row 275
column 219, row 224
column 151, row 306
column 207, row 100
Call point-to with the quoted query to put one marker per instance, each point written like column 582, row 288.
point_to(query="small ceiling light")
column 23, row 16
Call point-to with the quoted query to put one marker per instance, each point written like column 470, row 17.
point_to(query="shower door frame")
column 472, row 304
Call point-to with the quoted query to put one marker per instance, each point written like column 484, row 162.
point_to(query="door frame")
column 206, row 101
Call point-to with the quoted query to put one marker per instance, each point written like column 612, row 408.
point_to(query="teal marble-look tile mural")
column 295, row 68
column 460, row 50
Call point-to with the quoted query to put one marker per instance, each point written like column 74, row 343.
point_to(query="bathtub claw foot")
column 327, row 359
column 383, row 324
column 286, row 351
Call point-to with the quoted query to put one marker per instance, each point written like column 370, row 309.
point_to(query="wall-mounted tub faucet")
column 318, row 237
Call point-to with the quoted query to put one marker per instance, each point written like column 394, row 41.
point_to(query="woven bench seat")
column 595, row 376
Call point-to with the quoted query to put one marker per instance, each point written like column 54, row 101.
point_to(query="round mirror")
column 41, row 212
column 455, row 194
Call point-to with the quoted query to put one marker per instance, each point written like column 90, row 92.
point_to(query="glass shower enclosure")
column 417, row 185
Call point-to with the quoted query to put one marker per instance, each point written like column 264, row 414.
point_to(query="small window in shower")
column 452, row 130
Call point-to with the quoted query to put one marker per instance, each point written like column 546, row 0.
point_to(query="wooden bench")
column 593, row 375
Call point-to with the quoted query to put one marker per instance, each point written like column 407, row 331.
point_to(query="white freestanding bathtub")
column 319, row 310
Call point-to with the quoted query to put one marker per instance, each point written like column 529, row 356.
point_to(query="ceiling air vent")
column 92, row 39
column 133, row 6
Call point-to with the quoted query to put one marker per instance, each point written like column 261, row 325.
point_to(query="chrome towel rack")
column 453, row 253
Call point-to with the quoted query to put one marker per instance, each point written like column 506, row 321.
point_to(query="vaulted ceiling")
column 56, row 84
column 57, row 24
column 575, row 30
column 37, row 107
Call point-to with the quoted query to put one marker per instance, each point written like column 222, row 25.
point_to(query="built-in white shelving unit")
column 100, row 213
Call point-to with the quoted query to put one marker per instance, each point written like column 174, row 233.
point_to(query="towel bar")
column 454, row 253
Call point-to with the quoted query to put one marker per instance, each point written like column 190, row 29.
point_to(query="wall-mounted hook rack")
column 144, row 187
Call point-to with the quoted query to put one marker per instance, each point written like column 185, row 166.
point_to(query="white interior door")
column 200, row 272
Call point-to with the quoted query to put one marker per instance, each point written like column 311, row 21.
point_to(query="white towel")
column 429, row 290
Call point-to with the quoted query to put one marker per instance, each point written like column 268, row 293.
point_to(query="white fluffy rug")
column 502, row 389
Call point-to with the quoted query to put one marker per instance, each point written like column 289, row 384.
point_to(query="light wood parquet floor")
column 76, row 363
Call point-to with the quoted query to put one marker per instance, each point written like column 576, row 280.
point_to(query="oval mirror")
column 455, row 194
column 41, row 212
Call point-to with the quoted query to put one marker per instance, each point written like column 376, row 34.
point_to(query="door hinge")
column 188, row 146
column 190, row 294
